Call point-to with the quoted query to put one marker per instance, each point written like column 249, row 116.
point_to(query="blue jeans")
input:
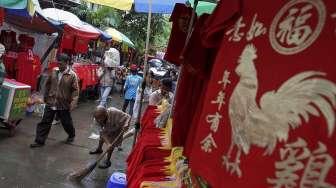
column 104, row 93
column 131, row 102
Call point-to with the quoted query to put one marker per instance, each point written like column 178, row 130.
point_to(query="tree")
column 132, row 24
column 135, row 26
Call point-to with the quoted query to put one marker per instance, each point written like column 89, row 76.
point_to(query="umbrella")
column 118, row 4
column 14, row 4
column 119, row 37
column 71, row 23
column 29, row 17
column 204, row 6
column 158, row 6
column 61, row 16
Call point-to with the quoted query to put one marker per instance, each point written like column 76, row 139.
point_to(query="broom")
column 82, row 173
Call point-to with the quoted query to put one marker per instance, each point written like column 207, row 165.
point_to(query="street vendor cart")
column 13, row 99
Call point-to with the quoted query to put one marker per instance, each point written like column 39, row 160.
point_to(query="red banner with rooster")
column 269, row 113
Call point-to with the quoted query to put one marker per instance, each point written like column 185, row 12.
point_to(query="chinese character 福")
column 292, row 28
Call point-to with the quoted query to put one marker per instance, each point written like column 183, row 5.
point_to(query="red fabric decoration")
column 26, row 69
column 81, row 74
column 193, row 79
column 2, row 16
column 81, row 45
column 180, row 17
column 146, row 161
column 81, row 32
column 8, row 39
column 94, row 76
column 26, row 42
column 149, row 171
column 276, row 74
column 67, row 41
column 10, row 59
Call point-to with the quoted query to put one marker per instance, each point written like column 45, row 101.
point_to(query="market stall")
column 21, row 27
column 74, row 40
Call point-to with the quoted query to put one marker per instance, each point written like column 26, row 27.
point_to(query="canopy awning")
column 13, row 4
column 30, row 18
column 71, row 24
column 158, row 6
column 119, row 37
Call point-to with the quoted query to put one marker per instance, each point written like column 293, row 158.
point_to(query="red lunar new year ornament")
column 268, row 118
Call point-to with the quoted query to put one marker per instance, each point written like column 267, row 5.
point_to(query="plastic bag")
column 95, row 130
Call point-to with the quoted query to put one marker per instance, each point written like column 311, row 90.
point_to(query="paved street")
column 49, row 166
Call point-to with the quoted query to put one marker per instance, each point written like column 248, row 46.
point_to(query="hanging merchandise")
column 2, row 16
column 270, row 100
column 67, row 42
column 81, row 45
column 8, row 38
column 26, row 42
column 192, row 84
column 180, row 17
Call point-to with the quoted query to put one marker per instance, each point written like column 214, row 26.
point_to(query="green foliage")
column 132, row 24
column 103, row 17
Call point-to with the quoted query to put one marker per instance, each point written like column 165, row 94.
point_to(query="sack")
column 112, row 58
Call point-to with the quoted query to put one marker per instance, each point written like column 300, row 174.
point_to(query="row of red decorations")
column 147, row 161
column 25, row 67
column 86, row 72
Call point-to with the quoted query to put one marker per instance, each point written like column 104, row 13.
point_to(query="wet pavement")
column 49, row 166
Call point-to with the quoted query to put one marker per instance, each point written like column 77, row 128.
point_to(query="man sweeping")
column 112, row 122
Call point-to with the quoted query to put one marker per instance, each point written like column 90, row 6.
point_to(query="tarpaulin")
column 86, row 31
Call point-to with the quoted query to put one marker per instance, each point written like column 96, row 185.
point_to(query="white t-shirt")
column 156, row 97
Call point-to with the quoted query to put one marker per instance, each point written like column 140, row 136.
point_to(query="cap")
column 133, row 67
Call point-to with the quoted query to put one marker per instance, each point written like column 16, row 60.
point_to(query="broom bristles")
column 82, row 173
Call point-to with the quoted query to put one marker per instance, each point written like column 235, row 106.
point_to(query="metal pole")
column 45, row 55
column 143, row 86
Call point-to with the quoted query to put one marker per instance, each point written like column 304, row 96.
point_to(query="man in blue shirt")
column 132, row 83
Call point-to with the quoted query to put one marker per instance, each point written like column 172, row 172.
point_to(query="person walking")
column 148, row 91
column 61, row 96
column 112, row 122
column 132, row 84
column 106, row 81
column 107, row 75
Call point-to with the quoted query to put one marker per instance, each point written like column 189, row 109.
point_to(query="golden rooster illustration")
column 304, row 94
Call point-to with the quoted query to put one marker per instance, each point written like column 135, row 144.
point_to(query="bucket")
column 117, row 180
